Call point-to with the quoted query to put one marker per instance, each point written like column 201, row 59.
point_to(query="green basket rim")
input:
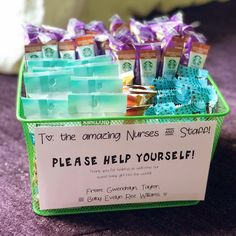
column 106, row 208
column 115, row 208
column 24, row 120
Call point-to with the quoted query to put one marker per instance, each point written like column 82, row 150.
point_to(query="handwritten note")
column 118, row 164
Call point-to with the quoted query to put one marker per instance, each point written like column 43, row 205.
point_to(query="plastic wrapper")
column 136, row 110
column 167, row 108
column 106, row 69
column 115, row 23
column 57, row 33
column 164, row 82
column 95, row 27
column 142, row 32
column 192, row 72
column 124, row 35
column 121, row 31
column 102, row 42
column 47, row 63
column 139, row 95
column 52, row 84
column 96, row 84
column 97, row 104
column 31, row 34
column 76, row 27
column 127, row 78
column 45, row 108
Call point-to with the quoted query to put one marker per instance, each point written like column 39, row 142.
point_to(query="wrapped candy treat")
column 76, row 27
column 96, row 84
column 97, row 104
column 139, row 98
column 31, row 34
column 57, row 33
column 121, row 31
column 49, row 84
column 168, row 108
column 142, row 32
column 33, row 45
column 35, row 108
column 47, row 63
column 192, row 72
column 102, row 42
column 165, row 82
column 115, row 23
column 136, row 110
column 95, row 27
column 124, row 35
column 139, row 95
column 127, row 78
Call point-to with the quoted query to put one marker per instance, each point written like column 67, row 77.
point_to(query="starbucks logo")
column 51, row 106
column 49, row 52
column 87, row 52
column 67, row 56
column 197, row 60
column 172, row 64
column 148, row 65
column 52, row 82
column 34, row 56
column 127, row 67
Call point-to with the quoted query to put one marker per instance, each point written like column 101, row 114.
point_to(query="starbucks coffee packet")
column 198, row 55
column 85, row 46
column 33, row 51
column 126, row 60
column 67, row 50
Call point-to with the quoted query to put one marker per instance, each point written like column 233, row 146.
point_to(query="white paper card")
column 118, row 164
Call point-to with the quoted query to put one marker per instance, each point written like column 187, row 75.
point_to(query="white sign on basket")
column 119, row 164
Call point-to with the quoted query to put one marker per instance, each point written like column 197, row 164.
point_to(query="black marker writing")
column 44, row 136
column 197, row 131
column 102, row 136
column 131, row 135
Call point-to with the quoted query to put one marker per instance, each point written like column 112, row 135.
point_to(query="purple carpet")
column 215, row 216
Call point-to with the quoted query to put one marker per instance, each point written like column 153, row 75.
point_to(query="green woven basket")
column 28, row 127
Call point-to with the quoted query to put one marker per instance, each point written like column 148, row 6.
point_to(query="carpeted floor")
column 215, row 216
